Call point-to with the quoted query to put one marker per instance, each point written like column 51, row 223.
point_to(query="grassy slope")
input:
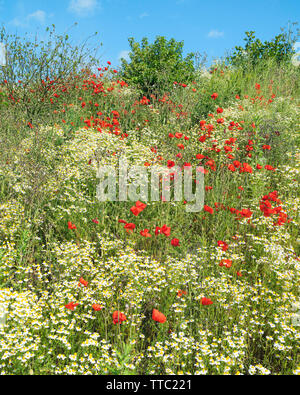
column 48, row 177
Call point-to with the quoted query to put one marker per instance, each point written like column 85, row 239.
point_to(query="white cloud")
column 17, row 22
column 38, row 16
column 124, row 54
column 143, row 15
column 215, row 34
column 83, row 8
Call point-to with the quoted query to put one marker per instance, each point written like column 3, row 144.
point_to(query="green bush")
column 40, row 71
column 280, row 48
column 153, row 68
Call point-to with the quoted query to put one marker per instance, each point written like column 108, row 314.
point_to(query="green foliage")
column 231, row 81
column 37, row 69
column 153, row 68
column 280, row 48
column 48, row 177
column 3, row 102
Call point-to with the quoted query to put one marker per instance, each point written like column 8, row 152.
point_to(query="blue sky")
column 213, row 27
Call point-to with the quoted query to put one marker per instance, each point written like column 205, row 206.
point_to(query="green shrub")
column 153, row 68
column 39, row 71
column 280, row 48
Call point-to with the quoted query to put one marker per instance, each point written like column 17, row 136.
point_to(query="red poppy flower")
column 158, row 316
column 71, row 226
column 83, row 282
column 118, row 317
column 208, row 209
column 170, row 163
column 246, row 168
column 140, row 205
column 245, row 212
column 269, row 167
column 226, row 262
column 145, row 233
column 71, row 305
column 97, row 307
column 129, row 227
column 206, row 301
column 135, row 210
column 175, row 243
column 231, row 168
column 214, row 96
column 166, row 230
column 138, row 208
column 223, row 245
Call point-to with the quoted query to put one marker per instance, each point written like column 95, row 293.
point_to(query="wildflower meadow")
column 138, row 285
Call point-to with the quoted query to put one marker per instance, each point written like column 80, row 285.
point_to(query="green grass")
column 48, row 178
